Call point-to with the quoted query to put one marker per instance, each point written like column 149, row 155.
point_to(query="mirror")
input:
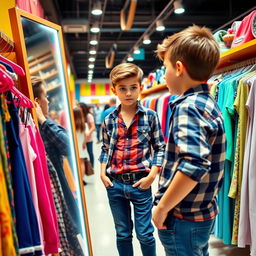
column 39, row 46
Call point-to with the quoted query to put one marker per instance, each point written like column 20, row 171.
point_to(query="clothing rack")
column 234, row 66
column 6, row 44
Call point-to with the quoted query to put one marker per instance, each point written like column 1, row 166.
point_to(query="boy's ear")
column 37, row 100
column 113, row 89
column 180, row 68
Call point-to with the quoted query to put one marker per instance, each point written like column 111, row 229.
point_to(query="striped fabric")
column 196, row 147
column 144, row 133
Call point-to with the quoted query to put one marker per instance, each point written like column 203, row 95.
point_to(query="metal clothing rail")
column 235, row 66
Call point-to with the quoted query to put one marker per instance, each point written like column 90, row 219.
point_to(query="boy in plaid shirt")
column 127, row 168
column 195, row 153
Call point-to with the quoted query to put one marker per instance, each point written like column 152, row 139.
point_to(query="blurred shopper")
column 89, row 128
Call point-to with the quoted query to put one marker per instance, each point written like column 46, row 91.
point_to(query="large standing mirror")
column 39, row 49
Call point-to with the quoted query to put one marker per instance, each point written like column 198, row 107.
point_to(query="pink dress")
column 45, row 197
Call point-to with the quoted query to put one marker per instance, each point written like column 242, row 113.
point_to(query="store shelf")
column 52, row 87
column 52, row 74
column 38, row 60
column 156, row 88
column 237, row 54
column 41, row 67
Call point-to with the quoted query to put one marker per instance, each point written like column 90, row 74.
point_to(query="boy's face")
column 43, row 101
column 128, row 90
column 173, row 75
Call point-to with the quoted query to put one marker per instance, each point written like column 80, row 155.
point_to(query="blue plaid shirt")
column 56, row 142
column 196, row 147
column 149, row 135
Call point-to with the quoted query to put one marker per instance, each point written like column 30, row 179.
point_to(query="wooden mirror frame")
column 26, row 88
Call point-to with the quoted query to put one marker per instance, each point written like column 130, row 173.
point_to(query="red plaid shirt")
column 128, row 151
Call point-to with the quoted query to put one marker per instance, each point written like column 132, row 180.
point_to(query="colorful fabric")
column 6, row 162
column 236, row 183
column 6, row 222
column 196, row 147
column 128, row 149
column 149, row 134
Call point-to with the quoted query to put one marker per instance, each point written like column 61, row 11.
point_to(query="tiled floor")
column 102, row 227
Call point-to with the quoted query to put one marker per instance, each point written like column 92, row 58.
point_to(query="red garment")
column 126, row 157
column 31, row 6
column 164, row 116
column 45, row 197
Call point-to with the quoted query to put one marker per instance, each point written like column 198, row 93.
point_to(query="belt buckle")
column 123, row 175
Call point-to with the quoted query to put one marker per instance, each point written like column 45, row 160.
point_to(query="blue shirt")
column 196, row 147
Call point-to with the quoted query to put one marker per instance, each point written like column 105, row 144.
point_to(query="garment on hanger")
column 26, row 225
column 6, row 223
column 247, row 220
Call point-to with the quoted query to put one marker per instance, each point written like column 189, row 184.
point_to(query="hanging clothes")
column 26, row 225
column 247, row 221
column 46, row 203
column 5, row 117
column 6, row 234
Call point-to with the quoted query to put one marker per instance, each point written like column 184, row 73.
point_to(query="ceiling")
column 211, row 13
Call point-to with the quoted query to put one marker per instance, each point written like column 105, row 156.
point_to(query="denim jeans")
column 98, row 131
column 186, row 238
column 120, row 198
column 89, row 146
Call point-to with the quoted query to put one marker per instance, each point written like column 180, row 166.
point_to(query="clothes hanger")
column 17, row 69
column 7, row 84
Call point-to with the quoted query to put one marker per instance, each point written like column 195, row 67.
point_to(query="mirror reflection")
column 50, row 92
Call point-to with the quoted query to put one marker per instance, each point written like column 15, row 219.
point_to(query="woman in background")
column 89, row 129
column 81, row 137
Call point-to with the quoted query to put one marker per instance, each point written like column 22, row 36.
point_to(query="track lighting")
column 96, row 9
column 93, row 40
column 130, row 58
column 146, row 40
column 178, row 7
column 91, row 59
column 93, row 51
column 160, row 26
column 136, row 50
column 95, row 28
column 91, row 66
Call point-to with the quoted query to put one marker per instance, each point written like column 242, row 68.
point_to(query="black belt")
column 128, row 177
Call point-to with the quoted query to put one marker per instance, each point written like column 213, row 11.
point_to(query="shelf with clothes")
column 233, row 86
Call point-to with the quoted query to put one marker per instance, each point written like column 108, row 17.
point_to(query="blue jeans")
column 98, row 131
column 186, row 238
column 89, row 146
column 120, row 196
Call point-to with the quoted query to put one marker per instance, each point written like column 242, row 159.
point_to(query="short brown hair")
column 37, row 86
column 195, row 47
column 125, row 70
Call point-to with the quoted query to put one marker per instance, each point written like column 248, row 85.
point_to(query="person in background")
column 112, row 107
column 132, row 155
column 195, row 153
column 89, row 129
column 97, row 111
column 81, row 137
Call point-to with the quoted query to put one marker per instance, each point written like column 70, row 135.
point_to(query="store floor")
column 102, row 227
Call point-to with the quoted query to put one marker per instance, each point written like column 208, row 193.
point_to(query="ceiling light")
column 146, row 40
column 90, row 72
column 93, row 42
column 93, row 51
column 92, row 59
column 91, row 65
column 89, row 80
column 130, row 58
column 96, row 9
column 178, row 7
column 95, row 28
column 136, row 50
column 160, row 26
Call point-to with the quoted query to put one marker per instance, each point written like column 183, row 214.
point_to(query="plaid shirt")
column 196, row 147
column 149, row 134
